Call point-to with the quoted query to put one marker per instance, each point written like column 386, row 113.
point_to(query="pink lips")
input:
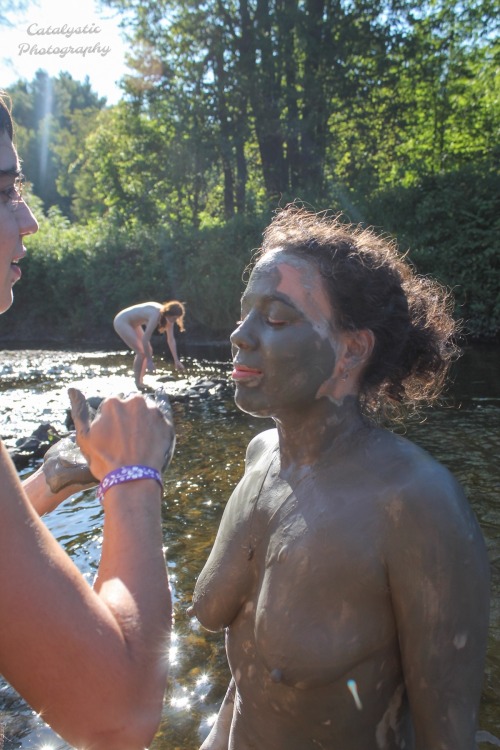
column 14, row 265
column 242, row 373
column 16, row 271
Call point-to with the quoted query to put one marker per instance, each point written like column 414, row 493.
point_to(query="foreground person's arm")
column 41, row 496
column 439, row 579
column 92, row 662
column 63, row 473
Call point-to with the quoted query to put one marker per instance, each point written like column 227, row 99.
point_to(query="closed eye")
column 269, row 321
column 276, row 323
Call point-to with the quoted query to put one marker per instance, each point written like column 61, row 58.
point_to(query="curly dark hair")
column 371, row 285
column 5, row 116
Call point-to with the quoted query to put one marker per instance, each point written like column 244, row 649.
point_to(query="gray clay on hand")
column 64, row 465
column 162, row 401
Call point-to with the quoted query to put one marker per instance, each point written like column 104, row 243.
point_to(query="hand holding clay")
column 124, row 431
column 64, row 465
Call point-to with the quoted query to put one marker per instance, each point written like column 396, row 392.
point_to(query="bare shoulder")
column 413, row 474
column 259, row 446
column 424, row 500
column 258, row 458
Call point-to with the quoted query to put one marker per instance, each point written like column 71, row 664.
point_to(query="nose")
column 243, row 337
column 26, row 220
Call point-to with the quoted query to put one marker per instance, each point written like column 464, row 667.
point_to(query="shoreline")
column 212, row 350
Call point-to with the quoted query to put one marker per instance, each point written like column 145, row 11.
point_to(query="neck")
column 326, row 431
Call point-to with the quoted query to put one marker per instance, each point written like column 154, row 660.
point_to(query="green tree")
column 134, row 169
column 431, row 108
column 49, row 131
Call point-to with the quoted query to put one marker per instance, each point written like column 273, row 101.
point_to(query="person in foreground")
column 91, row 660
column 349, row 571
column 135, row 325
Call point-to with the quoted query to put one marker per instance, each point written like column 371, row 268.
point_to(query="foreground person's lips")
column 16, row 270
column 241, row 372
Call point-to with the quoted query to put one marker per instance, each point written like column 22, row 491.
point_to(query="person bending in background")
column 136, row 324
column 91, row 660
column 349, row 571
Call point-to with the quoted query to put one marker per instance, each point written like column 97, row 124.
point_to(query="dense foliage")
column 385, row 110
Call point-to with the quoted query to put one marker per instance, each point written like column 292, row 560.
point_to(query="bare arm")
column 229, row 573
column 172, row 344
column 439, row 579
column 218, row 739
column 100, row 654
column 146, row 338
column 63, row 473
column 41, row 496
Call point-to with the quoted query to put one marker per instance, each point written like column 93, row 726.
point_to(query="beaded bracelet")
column 127, row 474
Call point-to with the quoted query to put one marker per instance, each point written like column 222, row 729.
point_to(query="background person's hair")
column 172, row 309
column 371, row 286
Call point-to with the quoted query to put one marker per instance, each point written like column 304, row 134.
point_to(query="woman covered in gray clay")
column 349, row 572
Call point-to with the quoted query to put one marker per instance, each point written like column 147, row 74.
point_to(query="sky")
column 75, row 36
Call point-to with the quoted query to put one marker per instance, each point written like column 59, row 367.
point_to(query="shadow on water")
column 212, row 436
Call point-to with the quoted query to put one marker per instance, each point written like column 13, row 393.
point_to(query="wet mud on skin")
column 212, row 435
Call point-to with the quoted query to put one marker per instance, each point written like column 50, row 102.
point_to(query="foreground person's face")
column 284, row 347
column 16, row 221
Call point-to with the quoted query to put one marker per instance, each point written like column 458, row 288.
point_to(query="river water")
column 463, row 433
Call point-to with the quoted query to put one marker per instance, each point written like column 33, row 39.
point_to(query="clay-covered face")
column 284, row 347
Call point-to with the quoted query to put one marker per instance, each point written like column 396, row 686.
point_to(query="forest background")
column 387, row 111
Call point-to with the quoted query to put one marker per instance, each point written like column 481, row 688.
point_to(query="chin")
column 250, row 406
column 6, row 300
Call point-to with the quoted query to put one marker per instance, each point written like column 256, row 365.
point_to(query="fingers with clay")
column 64, row 465
column 131, row 430
column 162, row 401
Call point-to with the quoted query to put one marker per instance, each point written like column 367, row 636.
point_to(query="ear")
column 357, row 350
column 353, row 353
